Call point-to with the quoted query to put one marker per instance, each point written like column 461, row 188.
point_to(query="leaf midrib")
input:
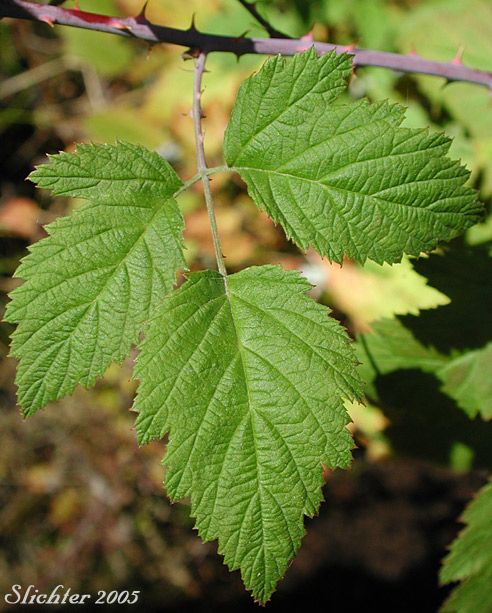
column 328, row 186
column 251, row 410
column 377, row 201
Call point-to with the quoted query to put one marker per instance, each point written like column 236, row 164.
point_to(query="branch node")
column 191, row 54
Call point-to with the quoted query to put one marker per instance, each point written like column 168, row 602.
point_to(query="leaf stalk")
column 201, row 162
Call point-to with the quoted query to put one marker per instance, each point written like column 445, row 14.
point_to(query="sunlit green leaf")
column 247, row 374
column 92, row 283
column 343, row 178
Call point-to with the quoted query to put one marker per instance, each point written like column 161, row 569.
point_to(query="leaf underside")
column 470, row 559
column 91, row 284
column 247, row 374
column 343, row 178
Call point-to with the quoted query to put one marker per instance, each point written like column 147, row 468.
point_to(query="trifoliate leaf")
column 470, row 559
column 92, row 283
column 247, row 374
column 343, row 178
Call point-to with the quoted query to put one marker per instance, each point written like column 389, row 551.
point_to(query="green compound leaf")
column 470, row 559
column 343, row 178
column 247, row 375
column 92, row 283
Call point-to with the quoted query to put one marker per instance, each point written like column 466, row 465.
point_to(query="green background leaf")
column 109, row 55
column 343, row 178
column 444, row 341
column 470, row 559
column 468, row 26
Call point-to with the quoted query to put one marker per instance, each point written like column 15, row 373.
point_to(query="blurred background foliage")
column 80, row 504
